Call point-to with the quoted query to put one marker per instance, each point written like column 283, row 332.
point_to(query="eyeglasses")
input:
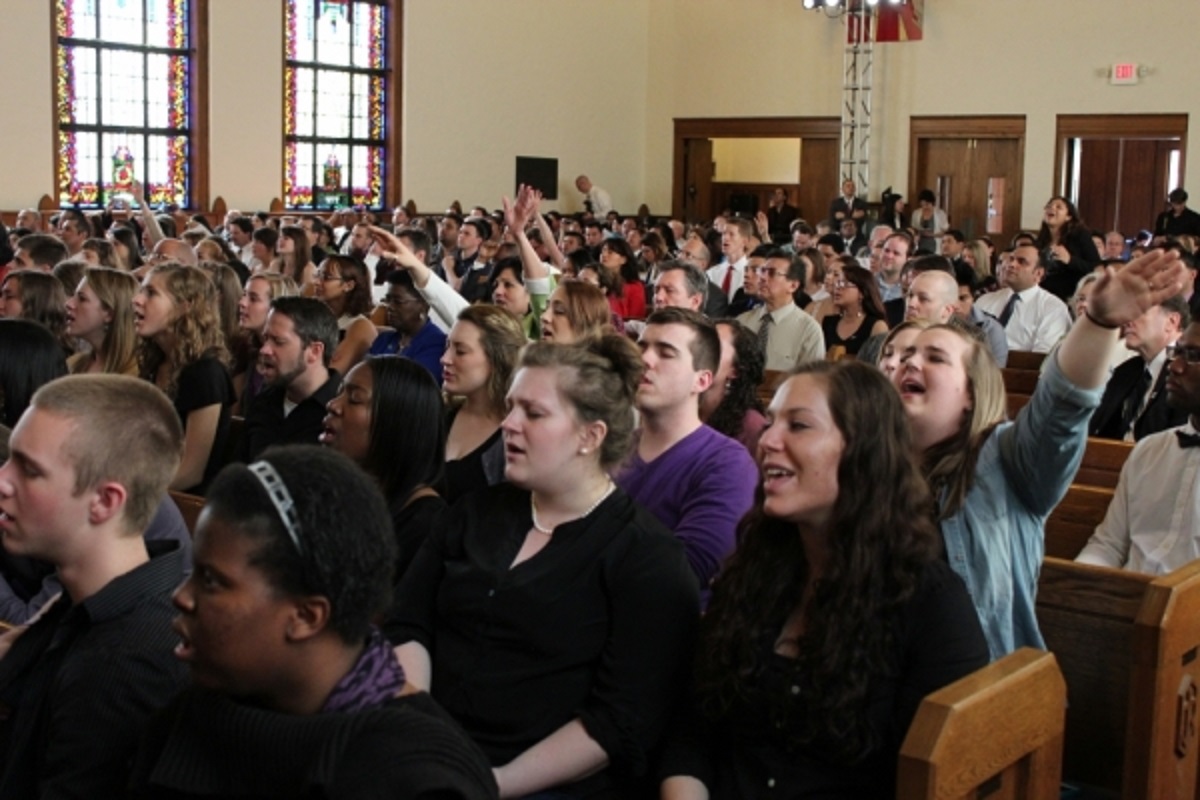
column 843, row 284
column 1191, row 355
column 770, row 272
column 325, row 277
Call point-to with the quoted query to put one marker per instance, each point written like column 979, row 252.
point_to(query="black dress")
column 854, row 342
column 746, row 753
column 597, row 626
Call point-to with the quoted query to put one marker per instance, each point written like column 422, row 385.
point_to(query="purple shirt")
column 700, row 489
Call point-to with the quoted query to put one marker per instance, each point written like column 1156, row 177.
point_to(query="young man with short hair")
column 696, row 481
column 90, row 461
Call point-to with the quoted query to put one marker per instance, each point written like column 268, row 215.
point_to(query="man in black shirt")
column 298, row 341
column 1178, row 220
column 90, row 461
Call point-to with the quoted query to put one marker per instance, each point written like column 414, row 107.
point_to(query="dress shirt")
column 795, row 337
column 270, row 422
column 888, row 291
column 1039, row 320
column 600, row 201
column 717, row 275
column 82, row 681
column 1153, row 521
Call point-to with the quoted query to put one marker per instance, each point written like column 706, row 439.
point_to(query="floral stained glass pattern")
column 335, row 106
column 123, row 100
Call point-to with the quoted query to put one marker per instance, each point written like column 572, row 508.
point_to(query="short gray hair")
column 695, row 278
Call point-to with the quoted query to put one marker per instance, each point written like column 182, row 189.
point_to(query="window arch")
column 339, row 98
column 126, row 107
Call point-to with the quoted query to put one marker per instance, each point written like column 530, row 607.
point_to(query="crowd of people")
column 492, row 507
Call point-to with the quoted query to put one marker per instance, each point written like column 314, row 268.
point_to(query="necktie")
column 727, row 282
column 764, row 331
column 1009, row 307
column 1132, row 407
column 1188, row 439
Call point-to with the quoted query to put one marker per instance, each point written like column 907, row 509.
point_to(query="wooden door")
column 994, row 163
column 818, row 178
column 975, row 165
column 964, row 173
column 698, row 179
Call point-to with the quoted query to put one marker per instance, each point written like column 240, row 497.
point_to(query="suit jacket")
column 1156, row 416
column 839, row 204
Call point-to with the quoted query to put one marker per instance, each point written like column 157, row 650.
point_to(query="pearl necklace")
column 537, row 526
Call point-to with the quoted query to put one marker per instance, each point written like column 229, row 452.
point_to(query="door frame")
column 999, row 126
column 1117, row 126
column 742, row 128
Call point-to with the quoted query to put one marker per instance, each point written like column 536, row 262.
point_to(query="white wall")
column 978, row 57
column 598, row 84
column 26, row 125
column 487, row 81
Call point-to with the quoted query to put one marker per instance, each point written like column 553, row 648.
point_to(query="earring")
column 583, row 451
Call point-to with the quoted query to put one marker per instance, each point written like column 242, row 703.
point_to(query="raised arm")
column 153, row 230
column 443, row 299
column 1120, row 296
column 556, row 254
column 516, row 217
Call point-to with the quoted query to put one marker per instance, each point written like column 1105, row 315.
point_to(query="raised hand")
column 1125, row 292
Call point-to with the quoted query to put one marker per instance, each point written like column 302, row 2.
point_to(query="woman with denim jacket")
column 996, row 481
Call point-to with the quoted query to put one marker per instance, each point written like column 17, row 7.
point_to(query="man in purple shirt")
column 698, row 482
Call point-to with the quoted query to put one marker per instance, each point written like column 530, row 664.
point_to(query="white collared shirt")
column 717, row 274
column 1153, row 522
column 1038, row 321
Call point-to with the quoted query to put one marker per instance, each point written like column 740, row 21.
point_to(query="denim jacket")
column 996, row 540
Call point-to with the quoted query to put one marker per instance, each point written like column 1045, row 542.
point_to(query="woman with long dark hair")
column 834, row 617
column 389, row 405
column 731, row 404
column 30, row 356
column 858, row 314
column 1066, row 245
column 344, row 284
column 618, row 256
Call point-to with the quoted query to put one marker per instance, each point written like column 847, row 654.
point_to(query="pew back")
column 1126, row 644
column 1074, row 519
column 1102, row 462
column 996, row 733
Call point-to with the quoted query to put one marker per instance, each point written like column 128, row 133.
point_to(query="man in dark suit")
column 847, row 206
column 780, row 216
column 1135, row 403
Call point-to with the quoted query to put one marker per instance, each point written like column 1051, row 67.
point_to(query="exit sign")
column 1123, row 74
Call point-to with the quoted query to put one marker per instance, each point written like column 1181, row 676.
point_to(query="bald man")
column 173, row 250
column 933, row 297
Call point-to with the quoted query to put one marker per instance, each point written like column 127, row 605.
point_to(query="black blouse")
column 597, row 626
column 745, row 754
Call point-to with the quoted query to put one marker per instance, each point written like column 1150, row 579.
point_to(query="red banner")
column 901, row 23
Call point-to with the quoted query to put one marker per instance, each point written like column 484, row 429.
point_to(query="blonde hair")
column 195, row 326
column 115, row 290
column 949, row 466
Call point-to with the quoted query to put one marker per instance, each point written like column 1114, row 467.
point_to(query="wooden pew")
column 770, row 382
column 1102, row 462
column 1019, row 381
column 189, row 506
column 1023, row 359
column 1126, row 644
column 997, row 731
column 1075, row 518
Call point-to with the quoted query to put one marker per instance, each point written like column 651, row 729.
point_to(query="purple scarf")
column 373, row 680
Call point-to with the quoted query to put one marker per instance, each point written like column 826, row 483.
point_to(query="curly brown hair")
column 195, row 326
column 884, row 540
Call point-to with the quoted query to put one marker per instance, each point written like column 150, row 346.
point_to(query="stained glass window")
column 122, row 89
column 335, row 104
